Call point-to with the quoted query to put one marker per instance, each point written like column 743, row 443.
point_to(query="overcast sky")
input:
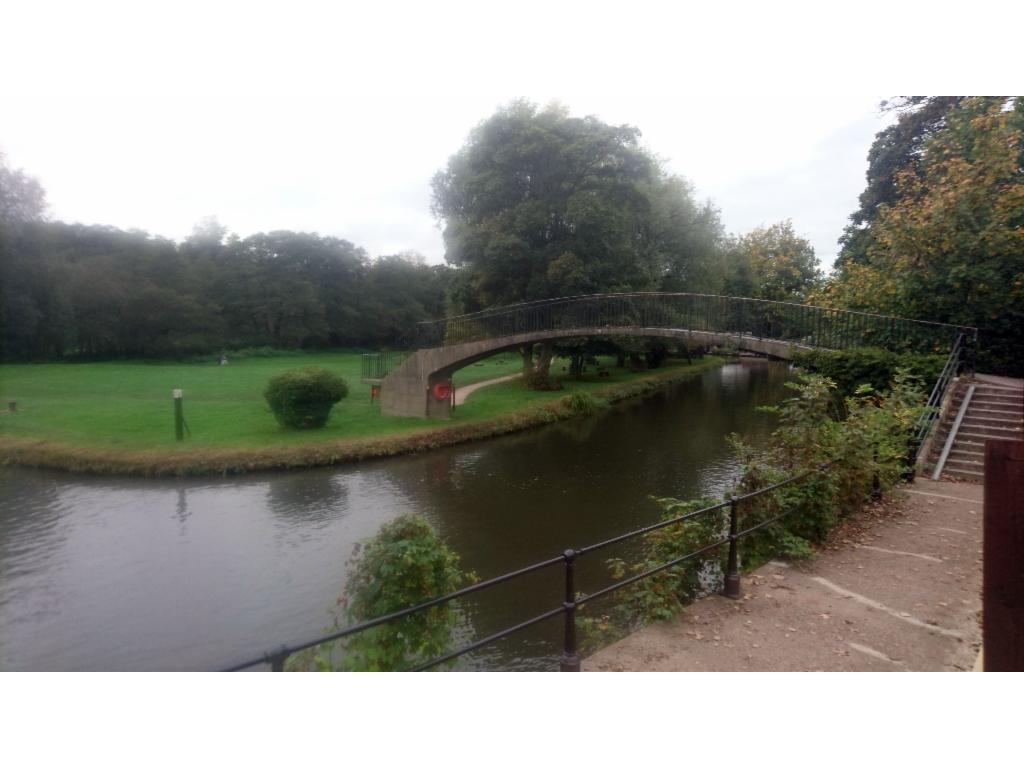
column 325, row 118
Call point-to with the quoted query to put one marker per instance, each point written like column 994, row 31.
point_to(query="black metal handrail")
column 801, row 324
column 570, row 659
column 376, row 365
column 779, row 320
column 949, row 371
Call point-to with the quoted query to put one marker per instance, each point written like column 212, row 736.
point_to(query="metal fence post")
column 179, row 416
column 570, row 657
column 278, row 659
column 732, row 574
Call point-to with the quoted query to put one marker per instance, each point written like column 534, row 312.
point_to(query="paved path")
column 461, row 393
column 899, row 590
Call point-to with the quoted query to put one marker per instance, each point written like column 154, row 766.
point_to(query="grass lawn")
column 128, row 406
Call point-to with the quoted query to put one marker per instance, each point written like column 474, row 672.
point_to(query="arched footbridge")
column 772, row 328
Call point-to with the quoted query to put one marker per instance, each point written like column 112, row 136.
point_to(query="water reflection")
column 313, row 499
column 100, row 573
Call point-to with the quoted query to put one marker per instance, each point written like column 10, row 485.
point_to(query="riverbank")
column 896, row 589
column 101, row 418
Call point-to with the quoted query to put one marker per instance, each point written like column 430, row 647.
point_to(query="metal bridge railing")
column 376, row 365
column 761, row 318
column 570, row 661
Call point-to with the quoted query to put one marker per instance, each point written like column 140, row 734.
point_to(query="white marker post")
column 179, row 415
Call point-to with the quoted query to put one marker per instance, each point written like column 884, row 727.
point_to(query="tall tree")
column 950, row 247
column 22, row 197
column 23, row 280
column 771, row 263
column 539, row 204
column 898, row 148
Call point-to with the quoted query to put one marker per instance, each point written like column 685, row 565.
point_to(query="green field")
column 127, row 407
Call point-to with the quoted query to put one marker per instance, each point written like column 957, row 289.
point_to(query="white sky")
column 333, row 118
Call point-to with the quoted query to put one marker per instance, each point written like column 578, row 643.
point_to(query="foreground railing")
column 570, row 661
column 778, row 320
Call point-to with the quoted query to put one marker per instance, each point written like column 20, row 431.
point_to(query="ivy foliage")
column 303, row 398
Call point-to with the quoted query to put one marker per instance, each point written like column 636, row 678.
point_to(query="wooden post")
column 1003, row 590
column 179, row 415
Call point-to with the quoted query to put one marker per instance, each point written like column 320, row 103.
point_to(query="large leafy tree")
column 771, row 262
column 540, row 204
column 950, row 247
column 22, row 197
column 898, row 148
column 22, row 205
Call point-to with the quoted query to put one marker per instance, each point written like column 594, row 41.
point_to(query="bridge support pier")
column 410, row 390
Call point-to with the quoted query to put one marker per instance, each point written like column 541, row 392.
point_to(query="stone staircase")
column 995, row 412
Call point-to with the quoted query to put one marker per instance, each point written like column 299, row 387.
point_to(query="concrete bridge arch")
column 407, row 390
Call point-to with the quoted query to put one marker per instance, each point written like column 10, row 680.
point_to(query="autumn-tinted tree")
column 950, row 246
column 897, row 148
column 771, row 263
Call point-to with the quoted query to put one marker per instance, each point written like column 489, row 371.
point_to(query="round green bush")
column 303, row 398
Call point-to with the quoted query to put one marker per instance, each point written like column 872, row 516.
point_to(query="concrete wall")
column 406, row 391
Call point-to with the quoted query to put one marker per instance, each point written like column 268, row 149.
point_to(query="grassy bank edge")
column 31, row 452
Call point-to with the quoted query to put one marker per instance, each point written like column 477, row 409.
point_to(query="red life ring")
column 442, row 390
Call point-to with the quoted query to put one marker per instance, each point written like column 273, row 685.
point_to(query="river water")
column 124, row 573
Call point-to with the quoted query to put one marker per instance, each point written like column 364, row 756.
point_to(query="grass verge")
column 90, row 424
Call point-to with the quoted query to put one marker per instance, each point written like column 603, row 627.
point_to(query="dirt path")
column 901, row 590
column 461, row 393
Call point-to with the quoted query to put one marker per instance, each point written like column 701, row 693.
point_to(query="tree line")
column 70, row 291
column 537, row 204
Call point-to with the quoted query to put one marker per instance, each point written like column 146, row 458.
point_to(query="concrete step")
column 994, row 413
column 1005, row 394
column 1000, row 430
column 994, row 394
column 1011, row 384
column 989, row 421
column 1011, row 403
column 979, row 436
column 964, row 474
column 968, row 465
column 973, row 444
column 966, row 453
column 993, row 385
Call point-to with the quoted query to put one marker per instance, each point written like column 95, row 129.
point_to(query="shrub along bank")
column 866, row 453
column 851, row 368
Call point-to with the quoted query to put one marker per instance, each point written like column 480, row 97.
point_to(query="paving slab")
column 896, row 589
